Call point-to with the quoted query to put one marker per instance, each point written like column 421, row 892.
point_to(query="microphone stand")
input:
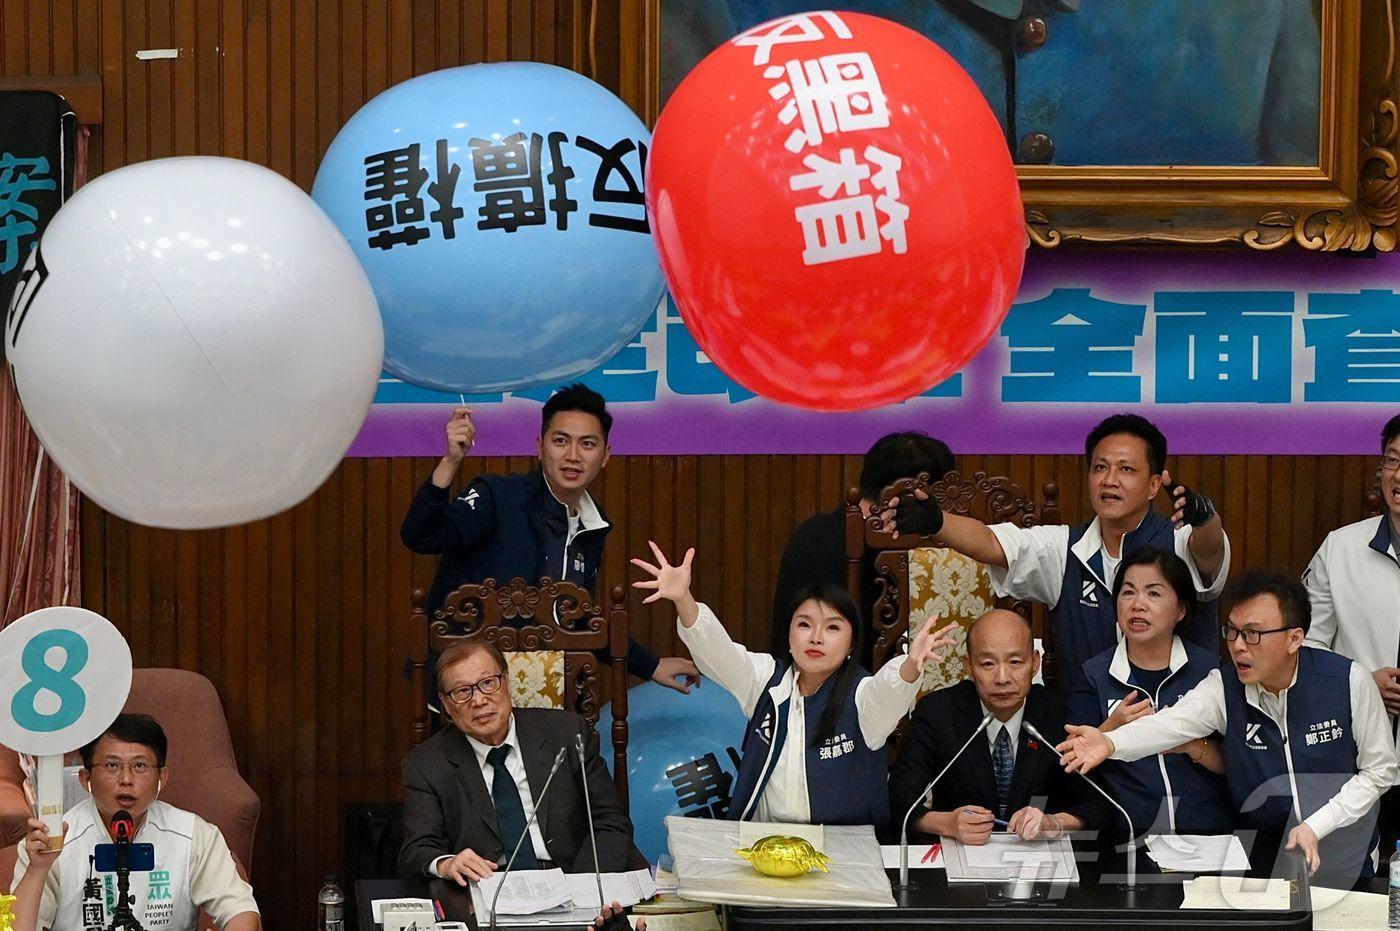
column 1132, row 833
column 619, row 920
column 904, row 825
column 123, row 919
column 539, row 802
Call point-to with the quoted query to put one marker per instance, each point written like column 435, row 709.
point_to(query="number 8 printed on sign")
column 64, row 676
column 43, row 677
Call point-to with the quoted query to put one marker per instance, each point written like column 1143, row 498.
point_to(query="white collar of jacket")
column 1120, row 669
column 785, row 687
column 1092, row 541
column 1384, row 540
column 589, row 517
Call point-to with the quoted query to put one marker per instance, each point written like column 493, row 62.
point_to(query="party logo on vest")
column 1089, row 597
column 1252, row 738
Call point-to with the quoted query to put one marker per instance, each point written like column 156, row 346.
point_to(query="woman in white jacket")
column 814, row 749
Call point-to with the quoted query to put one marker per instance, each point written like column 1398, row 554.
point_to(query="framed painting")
column 1258, row 123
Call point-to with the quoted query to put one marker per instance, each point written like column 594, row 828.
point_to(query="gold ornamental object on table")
column 785, row 857
column 7, row 918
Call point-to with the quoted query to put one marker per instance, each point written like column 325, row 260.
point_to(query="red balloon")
column 836, row 211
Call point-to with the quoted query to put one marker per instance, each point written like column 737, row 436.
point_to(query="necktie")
column 510, row 812
column 1002, row 765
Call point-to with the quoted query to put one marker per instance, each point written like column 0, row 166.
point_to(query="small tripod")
column 122, row 917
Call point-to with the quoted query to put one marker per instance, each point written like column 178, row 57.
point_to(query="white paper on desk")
column 1197, row 853
column 1343, row 910
column 624, row 888
column 1240, row 893
column 1007, row 856
column 890, row 854
column 574, row 918
column 686, row 921
column 378, row 905
column 526, row 892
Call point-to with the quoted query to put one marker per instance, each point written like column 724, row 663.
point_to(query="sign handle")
column 49, row 792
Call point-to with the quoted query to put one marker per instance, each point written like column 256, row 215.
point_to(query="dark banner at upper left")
column 38, row 142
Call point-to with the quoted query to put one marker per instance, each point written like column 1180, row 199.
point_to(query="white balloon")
column 196, row 345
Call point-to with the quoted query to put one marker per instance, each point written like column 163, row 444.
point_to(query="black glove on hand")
column 913, row 516
column 1198, row 508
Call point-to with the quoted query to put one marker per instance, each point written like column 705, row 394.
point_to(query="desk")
column 932, row 900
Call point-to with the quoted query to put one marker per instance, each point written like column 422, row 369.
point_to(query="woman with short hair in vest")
column 1307, row 745
column 814, row 748
column 1180, row 790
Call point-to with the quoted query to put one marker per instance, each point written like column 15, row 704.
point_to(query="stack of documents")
column 550, row 897
column 1236, row 892
column 1007, row 857
column 1197, row 853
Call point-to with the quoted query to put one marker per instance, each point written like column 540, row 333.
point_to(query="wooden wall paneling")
column 378, row 619
column 202, row 86
column 63, row 43
column 14, row 35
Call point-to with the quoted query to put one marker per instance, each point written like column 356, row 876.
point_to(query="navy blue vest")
column 847, row 782
column 1321, row 745
column 1085, row 620
column 1199, row 800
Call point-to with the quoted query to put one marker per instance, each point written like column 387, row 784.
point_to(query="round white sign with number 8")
column 64, row 676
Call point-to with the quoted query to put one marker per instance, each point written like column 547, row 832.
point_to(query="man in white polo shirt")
column 1353, row 583
column 125, row 770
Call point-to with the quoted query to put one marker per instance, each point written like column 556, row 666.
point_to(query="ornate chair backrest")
column 551, row 634
column 915, row 579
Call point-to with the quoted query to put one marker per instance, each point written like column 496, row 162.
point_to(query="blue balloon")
column 682, row 753
column 498, row 210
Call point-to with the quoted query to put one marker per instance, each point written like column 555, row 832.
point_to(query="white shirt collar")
column 1266, row 701
column 481, row 749
column 1120, row 668
column 1012, row 725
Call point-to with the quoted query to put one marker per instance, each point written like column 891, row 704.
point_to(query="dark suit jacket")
column 942, row 722
column 447, row 804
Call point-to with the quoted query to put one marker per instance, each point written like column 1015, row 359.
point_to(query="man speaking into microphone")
column 471, row 790
column 1004, row 781
column 125, row 771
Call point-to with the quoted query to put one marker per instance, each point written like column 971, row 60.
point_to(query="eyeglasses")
column 1251, row 636
column 113, row 768
column 488, row 686
column 1390, row 463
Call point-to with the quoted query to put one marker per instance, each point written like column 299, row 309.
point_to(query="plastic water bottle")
column 330, row 906
column 1393, row 922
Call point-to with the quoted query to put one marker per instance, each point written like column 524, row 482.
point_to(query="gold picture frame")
column 1348, row 201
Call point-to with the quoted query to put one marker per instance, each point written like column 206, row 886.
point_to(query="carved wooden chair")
column 915, row 579
column 554, row 639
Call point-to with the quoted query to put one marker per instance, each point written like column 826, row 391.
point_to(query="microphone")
column 904, row 825
column 1132, row 833
column 524, row 835
column 619, row 920
column 123, row 826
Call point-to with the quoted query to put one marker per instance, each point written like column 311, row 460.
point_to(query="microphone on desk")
column 619, row 920
column 904, row 825
column 525, row 835
column 1132, row 834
